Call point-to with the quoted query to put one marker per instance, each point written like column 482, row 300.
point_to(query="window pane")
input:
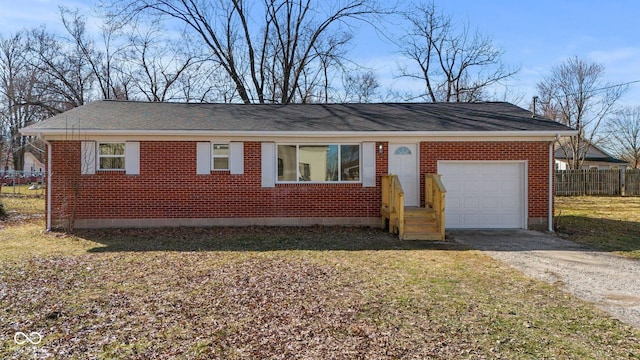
column 350, row 162
column 318, row 162
column 287, row 170
column 332, row 163
column 111, row 149
column 221, row 163
column 108, row 163
column 403, row 150
column 221, row 150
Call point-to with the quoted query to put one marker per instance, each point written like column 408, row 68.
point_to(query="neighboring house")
column 595, row 158
column 142, row 164
column 32, row 165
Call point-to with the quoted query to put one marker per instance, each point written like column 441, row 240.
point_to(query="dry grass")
column 606, row 223
column 19, row 207
column 21, row 190
column 280, row 293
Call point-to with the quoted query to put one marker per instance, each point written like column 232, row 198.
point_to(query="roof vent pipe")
column 535, row 100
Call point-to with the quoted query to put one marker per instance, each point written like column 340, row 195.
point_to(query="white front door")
column 403, row 161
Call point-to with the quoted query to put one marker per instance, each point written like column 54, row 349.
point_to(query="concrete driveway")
column 608, row 280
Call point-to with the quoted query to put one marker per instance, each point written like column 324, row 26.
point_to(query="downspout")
column 49, row 166
column 551, row 172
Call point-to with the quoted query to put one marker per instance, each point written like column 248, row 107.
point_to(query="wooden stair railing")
column 434, row 192
column 392, row 209
column 413, row 223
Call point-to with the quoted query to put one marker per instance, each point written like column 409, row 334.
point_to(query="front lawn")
column 312, row 293
column 605, row 223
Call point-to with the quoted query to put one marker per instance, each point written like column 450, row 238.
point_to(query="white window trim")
column 297, row 145
column 213, row 155
column 99, row 156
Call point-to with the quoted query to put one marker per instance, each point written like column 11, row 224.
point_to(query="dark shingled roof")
column 110, row 115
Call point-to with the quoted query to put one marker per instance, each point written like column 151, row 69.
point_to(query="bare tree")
column 73, row 68
column 84, row 49
column 264, row 48
column 65, row 77
column 316, row 83
column 105, row 60
column 43, row 74
column 18, row 97
column 361, row 87
column 204, row 81
column 156, row 64
column 455, row 65
column 575, row 95
column 623, row 135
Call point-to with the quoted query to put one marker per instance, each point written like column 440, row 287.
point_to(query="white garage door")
column 489, row 195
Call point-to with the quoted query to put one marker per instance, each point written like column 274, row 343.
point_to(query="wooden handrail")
column 434, row 193
column 393, row 202
column 398, row 206
column 421, row 225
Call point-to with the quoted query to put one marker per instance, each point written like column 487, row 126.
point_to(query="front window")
column 220, row 156
column 319, row 163
column 111, row 156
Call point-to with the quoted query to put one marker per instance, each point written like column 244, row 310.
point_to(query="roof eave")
column 80, row 134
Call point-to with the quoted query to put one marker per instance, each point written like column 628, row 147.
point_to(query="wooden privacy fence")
column 597, row 182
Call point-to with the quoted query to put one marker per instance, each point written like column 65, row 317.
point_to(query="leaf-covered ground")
column 282, row 293
column 248, row 293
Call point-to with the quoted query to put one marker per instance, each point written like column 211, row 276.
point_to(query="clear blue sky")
column 534, row 35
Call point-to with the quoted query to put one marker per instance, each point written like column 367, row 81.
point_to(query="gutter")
column 300, row 134
column 551, row 173
column 49, row 181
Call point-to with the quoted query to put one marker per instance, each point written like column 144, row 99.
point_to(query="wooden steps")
column 420, row 224
column 413, row 223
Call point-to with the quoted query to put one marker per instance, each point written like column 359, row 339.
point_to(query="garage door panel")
column 455, row 219
column 484, row 172
column 511, row 187
column 471, row 203
column 453, row 203
column 471, row 187
column 511, row 171
column 510, row 219
column 510, row 203
column 470, row 171
column 455, row 186
column 493, row 187
column 470, row 220
column 484, row 194
column 492, row 203
column 490, row 220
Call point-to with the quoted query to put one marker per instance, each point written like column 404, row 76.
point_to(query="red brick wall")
column 536, row 153
column 168, row 187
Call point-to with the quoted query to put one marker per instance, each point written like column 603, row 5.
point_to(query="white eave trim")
column 62, row 134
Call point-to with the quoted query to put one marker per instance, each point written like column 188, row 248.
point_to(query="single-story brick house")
column 141, row 164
